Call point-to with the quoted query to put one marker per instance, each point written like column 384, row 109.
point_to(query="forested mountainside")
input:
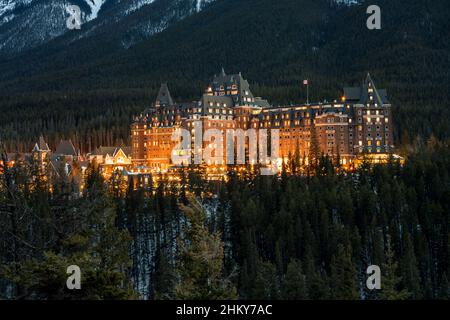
column 98, row 85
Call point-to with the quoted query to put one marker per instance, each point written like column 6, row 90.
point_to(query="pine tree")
column 444, row 290
column 390, row 281
column 343, row 275
column 316, row 279
column 201, row 260
column 294, row 282
column 266, row 285
column 165, row 277
column 409, row 269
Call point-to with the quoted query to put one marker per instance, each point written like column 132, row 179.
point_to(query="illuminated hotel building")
column 358, row 124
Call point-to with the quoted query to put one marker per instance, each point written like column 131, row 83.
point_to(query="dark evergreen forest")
column 253, row 237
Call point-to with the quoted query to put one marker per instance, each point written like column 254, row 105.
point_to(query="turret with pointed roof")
column 234, row 86
column 367, row 93
column 164, row 98
column 41, row 153
column 41, row 145
column 66, row 148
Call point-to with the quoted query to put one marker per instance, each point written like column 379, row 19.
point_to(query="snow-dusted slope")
column 25, row 24
column 136, row 5
column 201, row 4
column 348, row 2
column 8, row 7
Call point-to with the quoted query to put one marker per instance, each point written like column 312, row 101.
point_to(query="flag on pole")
column 306, row 83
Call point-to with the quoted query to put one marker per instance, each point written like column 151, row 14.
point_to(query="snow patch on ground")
column 199, row 5
column 7, row 6
column 138, row 5
column 347, row 2
column 7, row 18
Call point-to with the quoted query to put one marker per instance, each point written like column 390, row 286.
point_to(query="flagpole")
column 306, row 83
column 307, row 93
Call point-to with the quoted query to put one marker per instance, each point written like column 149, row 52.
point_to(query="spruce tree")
column 390, row 281
column 294, row 282
column 409, row 269
column 201, row 260
column 267, row 283
column 343, row 275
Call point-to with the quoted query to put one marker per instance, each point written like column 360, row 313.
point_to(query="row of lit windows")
column 372, row 112
column 217, row 104
column 218, row 111
column 233, row 87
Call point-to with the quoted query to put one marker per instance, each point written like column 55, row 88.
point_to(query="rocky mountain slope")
column 26, row 24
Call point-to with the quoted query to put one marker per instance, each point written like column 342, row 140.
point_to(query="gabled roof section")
column 262, row 103
column 41, row 145
column 66, row 148
column 104, row 151
column 126, row 150
column 352, row 93
column 231, row 83
column 367, row 93
column 164, row 98
column 111, row 151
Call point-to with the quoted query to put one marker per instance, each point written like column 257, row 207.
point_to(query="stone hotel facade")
column 360, row 123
